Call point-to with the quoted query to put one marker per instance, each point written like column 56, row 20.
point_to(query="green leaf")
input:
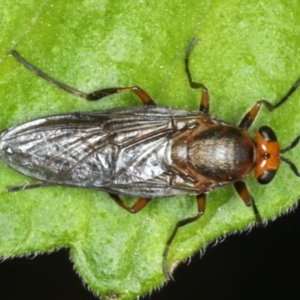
column 247, row 52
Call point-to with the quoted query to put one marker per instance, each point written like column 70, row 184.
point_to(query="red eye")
column 268, row 155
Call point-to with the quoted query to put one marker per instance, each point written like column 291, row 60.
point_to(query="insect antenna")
column 287, row 161
column 292, row 165
column 291, row 146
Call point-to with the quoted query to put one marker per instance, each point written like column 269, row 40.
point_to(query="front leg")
column 245, row 195
column 251, row 115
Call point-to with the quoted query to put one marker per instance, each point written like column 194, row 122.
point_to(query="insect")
column 145, row 151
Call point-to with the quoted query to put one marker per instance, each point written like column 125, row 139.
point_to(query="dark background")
column 261, row 264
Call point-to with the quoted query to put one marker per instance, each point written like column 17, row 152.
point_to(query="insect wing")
column 109, row 150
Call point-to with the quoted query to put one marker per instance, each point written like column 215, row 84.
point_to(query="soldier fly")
column 146, row 151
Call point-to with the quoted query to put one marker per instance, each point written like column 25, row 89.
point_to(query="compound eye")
column 268, row 134
column 266, row 176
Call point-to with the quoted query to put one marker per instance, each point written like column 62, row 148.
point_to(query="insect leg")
column 251, row 115
column 136, row 207
column 96, row 95
column 204, row 103
column 201, row 202
column 143, row 96
column 243, row 192
column 16, row 188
